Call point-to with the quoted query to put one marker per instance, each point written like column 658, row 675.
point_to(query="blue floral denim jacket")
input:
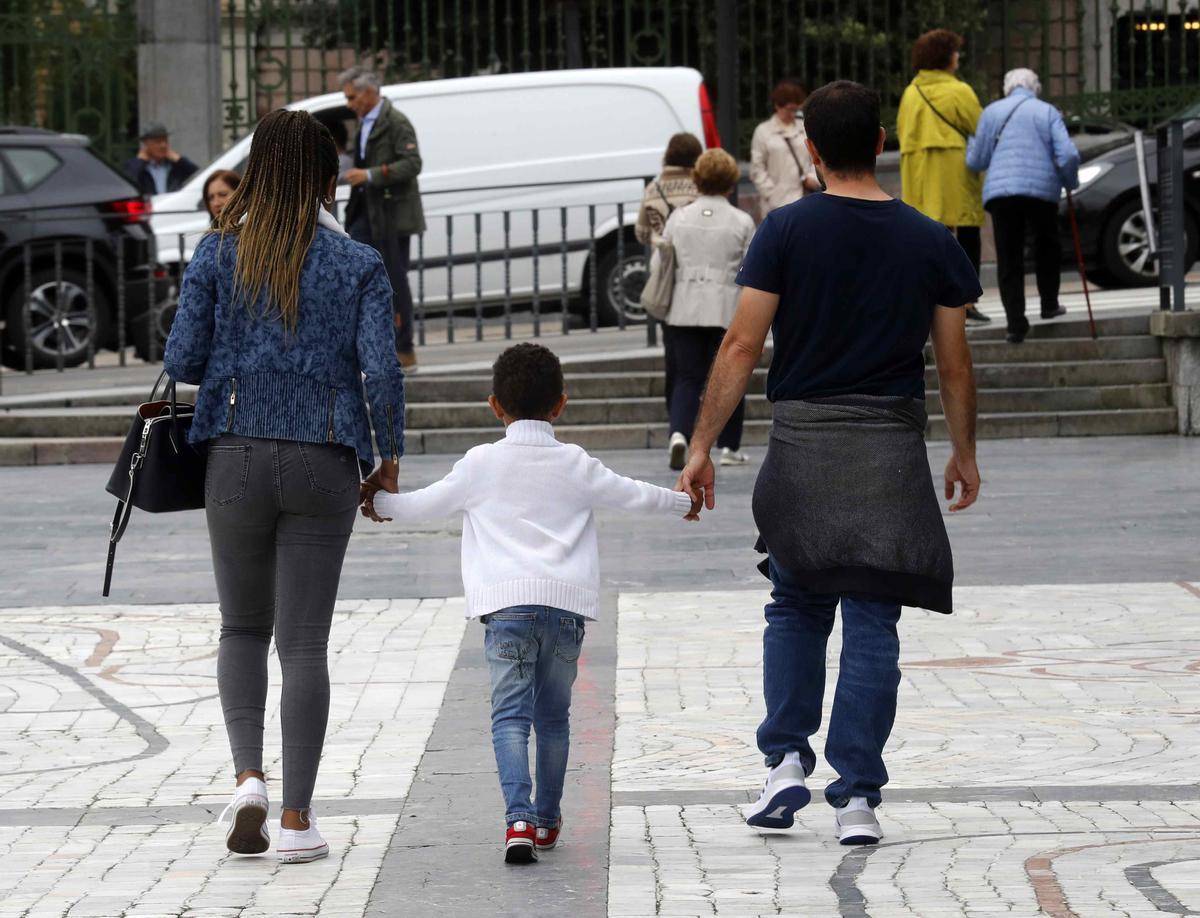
column 258, row 380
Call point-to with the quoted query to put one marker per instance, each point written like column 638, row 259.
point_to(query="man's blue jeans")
column 532, row 654
column 864, row 704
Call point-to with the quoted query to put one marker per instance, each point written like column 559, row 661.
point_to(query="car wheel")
column 1125, row 247
column 60, row 324
column 621, row 283
column 149, row 333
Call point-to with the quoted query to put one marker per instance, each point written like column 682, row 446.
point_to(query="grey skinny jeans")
column 279, row 518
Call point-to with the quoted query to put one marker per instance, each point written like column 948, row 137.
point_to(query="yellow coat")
column 934, row 177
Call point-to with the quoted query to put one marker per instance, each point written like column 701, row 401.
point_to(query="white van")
column 527, row 178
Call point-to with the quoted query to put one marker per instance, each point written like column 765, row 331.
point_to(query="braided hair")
column 273, row 211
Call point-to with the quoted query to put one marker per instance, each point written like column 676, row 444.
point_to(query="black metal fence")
column 509, row 273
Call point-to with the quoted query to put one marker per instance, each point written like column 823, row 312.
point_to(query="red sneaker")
column 519, row 843
column 547, row 838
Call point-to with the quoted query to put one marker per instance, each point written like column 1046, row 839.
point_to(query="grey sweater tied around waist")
column 845, row 503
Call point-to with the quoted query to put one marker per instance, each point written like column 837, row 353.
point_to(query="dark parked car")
column 1108, row 205
column 57, row 197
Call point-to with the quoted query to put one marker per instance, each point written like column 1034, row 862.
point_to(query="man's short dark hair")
column 527, row 380
column 842, row 121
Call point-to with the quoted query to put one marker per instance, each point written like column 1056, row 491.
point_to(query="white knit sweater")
column 529, row 530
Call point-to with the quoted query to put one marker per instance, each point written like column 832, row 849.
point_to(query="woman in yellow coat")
column 938, row 112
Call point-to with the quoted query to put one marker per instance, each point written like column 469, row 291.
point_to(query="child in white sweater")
column 530, row 567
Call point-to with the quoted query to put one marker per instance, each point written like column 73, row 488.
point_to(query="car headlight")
column 1089, row 173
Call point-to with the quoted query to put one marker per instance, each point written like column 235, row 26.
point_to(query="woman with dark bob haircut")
column 938, row 113
column 672, row 189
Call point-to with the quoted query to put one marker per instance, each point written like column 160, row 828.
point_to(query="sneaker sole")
column 297, row 856
column 858, row 836
column 678, row 457
column 248, row 833
column 735, row 462
column 549, row 847
column 519, row 852
column 780, row 811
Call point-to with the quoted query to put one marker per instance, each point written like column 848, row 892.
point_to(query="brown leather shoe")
column 408, row 360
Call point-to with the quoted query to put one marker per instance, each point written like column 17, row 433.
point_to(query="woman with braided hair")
column 280, row 316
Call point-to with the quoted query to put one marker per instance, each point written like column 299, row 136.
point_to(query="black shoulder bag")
column 158, row 470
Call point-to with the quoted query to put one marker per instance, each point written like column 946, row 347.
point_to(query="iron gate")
column 71, row 65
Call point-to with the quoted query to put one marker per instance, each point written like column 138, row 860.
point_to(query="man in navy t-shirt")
column 851, row 283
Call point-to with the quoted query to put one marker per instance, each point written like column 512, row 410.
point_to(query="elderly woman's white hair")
column 1023, row 78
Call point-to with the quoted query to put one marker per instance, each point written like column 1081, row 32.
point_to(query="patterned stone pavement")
column 1042, row 763
column 114, row 762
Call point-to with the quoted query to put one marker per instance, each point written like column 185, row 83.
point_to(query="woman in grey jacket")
column 710, row 237
column 279, row 317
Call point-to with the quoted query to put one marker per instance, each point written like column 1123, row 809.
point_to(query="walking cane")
column 1087, row 296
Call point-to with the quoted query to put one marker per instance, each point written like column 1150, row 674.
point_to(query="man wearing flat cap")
column 157, row 168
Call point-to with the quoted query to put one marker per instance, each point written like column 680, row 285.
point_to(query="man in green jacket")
column 385, row 203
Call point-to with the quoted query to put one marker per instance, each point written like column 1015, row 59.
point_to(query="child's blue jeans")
column 532, row 654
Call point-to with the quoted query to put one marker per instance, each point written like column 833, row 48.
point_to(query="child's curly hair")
column 527, row 381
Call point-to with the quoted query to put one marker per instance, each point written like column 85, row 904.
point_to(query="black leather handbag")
column 158, row 470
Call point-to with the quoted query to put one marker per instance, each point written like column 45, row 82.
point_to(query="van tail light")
column 129, row 210
column 708, row 118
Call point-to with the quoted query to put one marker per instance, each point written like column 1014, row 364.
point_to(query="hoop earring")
column 328, row 199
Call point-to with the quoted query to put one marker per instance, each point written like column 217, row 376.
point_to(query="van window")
column 32, row 165
column 509, row 126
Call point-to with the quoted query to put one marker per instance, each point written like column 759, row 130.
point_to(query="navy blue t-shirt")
column 858, row 282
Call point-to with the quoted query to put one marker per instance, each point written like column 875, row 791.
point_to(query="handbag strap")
column 120, row 520
column 792, row 150
column 1007, row 118
column 662, row 194
column 933, row 109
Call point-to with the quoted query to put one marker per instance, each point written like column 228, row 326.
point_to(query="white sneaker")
column 733, row 457
column 678, row 451
column 248, row 828
column 856, row 823
column 299, row 846
column 783, row 794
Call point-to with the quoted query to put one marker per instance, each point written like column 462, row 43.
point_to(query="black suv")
column 61, row 207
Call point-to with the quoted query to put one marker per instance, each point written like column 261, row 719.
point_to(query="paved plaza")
column 1043, row 760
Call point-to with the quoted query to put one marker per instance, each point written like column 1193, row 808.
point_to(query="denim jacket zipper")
column 232, row 402
column 392, row 435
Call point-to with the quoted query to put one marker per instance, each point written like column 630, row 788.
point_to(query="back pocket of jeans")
column 330, row 469
column 570, row 638
column 225, row 476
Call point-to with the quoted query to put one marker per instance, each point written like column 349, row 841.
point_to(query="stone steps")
column 1060, row 382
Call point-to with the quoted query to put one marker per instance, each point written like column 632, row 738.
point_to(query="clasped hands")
column 384, row 478
column 698, row 481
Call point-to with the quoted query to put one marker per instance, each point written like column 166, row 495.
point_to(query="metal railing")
column 82, row 293
column 502, row 273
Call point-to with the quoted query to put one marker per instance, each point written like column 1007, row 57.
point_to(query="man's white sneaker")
column 299, row 846
column 783, row 794
column 733, row 457
column 247, row 832
column 677, row 448
column 856, row 823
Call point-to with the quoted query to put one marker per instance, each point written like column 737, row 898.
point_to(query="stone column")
column 1180, row 333
column 179, row 73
